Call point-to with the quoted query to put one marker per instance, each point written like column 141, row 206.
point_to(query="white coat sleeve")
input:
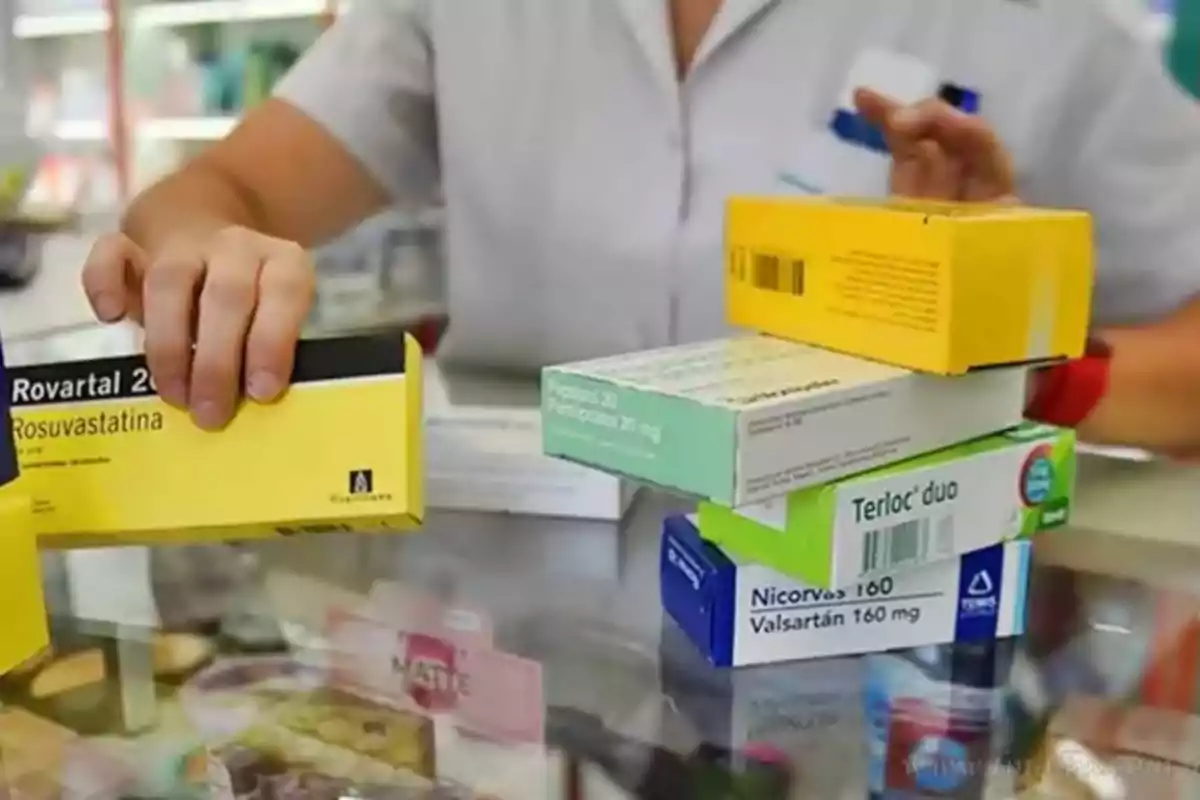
column 1124, row 142
column 368, row 81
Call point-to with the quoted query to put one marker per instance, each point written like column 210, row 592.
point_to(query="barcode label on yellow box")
column 771, row 271
column 941, row 288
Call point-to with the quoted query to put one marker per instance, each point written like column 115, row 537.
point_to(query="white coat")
column 584, row 185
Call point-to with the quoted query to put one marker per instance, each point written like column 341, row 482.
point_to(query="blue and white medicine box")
column 738, row 613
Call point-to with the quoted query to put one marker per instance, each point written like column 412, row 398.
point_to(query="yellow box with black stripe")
column 106, row 461
column 942, row 288
column 25, row 631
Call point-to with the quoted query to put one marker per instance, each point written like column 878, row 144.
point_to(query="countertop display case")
column 246, row 671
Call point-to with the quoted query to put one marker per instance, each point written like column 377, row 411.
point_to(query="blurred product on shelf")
column 935, row 721
column 23, row 212
column 387, row 273
column 649, row 772
column 1064, row 769
column 1127, row 608
column 162, row 79
column 1119, row 752
column 810, row 711
column 311, row 734
column 59, row 6
column 44, row 760
column 83, row 95
column 1115, row 620
column 78, row 684
column 483, row 450
column 208, row 70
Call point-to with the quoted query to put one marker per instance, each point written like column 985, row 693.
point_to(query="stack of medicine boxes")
column 868, row 481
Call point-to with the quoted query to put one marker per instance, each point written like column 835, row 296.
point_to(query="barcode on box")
column 907, row 544
column 777, row 273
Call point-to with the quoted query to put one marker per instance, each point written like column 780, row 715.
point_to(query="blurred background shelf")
column 219, row 11
column 121, row 92
column 54, row 24
column 194, row 129
column 61, row 23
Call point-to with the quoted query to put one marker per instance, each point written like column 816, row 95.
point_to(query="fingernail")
column 264, row 386
column 208, row 415
column 108, row 308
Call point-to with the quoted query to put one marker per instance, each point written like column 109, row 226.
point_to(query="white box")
column 740, row 614
column 483, row 452
column 742, row 420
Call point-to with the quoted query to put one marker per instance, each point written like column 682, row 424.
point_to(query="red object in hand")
column 1066, row 394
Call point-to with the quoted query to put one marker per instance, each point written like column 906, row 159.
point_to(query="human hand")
column 939, row 152
column 219, row 312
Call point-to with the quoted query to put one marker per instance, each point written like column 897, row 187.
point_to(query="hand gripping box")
column 742, row 420
column 107, row 462
column 739, row 613
column 936, row 506
column 935, row 287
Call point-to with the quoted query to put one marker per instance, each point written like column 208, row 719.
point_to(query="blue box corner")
column 698, row 583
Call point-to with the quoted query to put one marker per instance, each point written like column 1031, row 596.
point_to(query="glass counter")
column 236, row 671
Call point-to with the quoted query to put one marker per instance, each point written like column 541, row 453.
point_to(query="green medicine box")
column 750, row 418
column 933, row 507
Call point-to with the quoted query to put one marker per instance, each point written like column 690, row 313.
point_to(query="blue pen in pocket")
column 852, row 128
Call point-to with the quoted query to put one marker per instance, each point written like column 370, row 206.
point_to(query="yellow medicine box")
column 106, row 461
column 935, row 287
column 24, row 632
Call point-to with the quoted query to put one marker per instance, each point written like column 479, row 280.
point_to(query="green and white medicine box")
column 749, row 418
column 938, row 506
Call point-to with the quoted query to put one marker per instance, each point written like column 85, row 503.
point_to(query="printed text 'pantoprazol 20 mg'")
column 746, row 419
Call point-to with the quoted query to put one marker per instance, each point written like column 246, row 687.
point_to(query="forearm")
column 279, row 173
column 198, row 200
column 1153, row 397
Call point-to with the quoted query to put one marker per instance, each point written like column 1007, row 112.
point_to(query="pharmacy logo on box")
column 980, row 600
column 362, row 481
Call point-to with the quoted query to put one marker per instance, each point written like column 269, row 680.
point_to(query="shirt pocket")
column 820, row 163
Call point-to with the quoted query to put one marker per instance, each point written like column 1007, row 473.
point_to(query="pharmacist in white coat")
column 584, row 151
